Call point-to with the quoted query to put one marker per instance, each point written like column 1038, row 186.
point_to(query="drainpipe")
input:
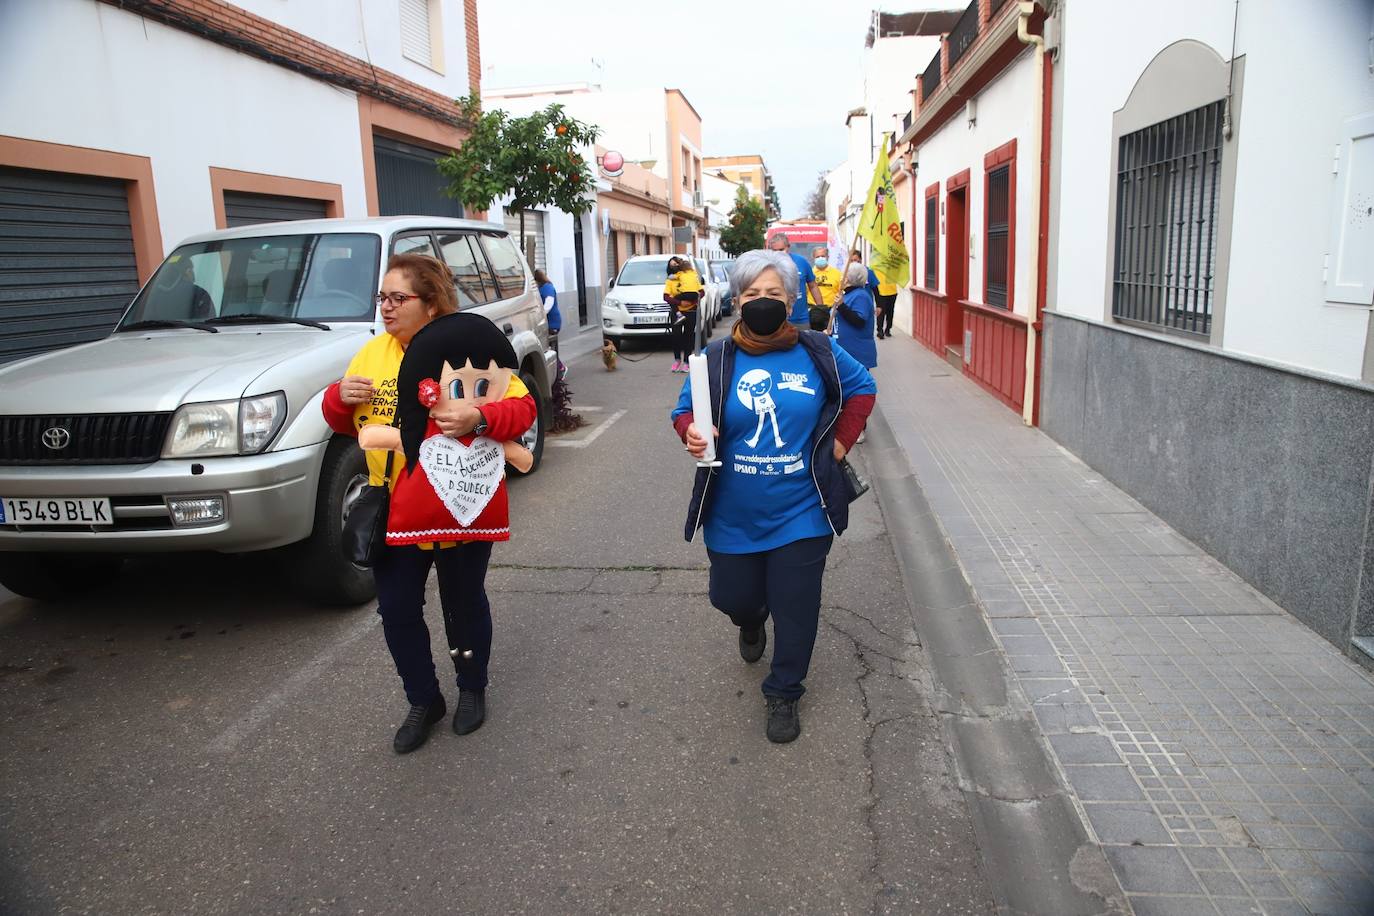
column 1027, row 9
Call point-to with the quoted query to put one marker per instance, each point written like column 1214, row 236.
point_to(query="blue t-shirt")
column 801, row 314
column 765, row 496
column 872, row 282
column 858, row 341
column 555, row 317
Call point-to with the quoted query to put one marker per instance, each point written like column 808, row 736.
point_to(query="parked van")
column 196, row 425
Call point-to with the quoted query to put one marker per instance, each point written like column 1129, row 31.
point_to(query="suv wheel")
column 318, row 563
column 54, row 576
column 533, row 439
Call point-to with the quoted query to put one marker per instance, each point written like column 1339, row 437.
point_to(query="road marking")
column 591, row 437
column 296, row 684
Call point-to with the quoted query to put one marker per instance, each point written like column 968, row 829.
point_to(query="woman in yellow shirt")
column 683, row 291
column 887, row 302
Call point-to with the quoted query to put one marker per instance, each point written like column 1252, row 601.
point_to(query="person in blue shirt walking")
column 787, row 405
column 800, row 314
column 854, row 317
column 549, row 296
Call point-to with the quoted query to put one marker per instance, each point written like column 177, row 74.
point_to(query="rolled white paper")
column 701, row 404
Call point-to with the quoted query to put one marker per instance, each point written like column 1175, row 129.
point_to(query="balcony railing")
column 906, row 122
column 930, row 79
column 964, row 34
column 997, row 5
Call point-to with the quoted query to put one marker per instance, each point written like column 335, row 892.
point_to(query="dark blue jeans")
column 401, row 575
column 784, row 583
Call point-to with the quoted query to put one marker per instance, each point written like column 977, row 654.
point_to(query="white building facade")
column 167, row 119
column 1208, row 339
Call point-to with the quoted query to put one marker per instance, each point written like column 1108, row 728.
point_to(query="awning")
column 625, row 225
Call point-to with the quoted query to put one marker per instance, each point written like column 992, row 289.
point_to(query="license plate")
column 42, row 510
column 651, row 319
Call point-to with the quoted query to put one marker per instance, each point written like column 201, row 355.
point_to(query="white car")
column 196, row 425
column 634, row 308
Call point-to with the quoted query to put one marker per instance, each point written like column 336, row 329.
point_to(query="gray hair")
column 752, row 264
column 855, row 275
column 780, row 237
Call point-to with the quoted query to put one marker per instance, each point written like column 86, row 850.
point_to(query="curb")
column 1038, row 853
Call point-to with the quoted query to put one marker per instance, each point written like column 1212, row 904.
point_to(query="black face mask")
column 764, row 316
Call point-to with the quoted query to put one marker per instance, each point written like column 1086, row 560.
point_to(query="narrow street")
column 194, row 741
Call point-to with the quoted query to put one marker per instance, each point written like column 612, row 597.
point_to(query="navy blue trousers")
column 784, row 583
column 401, row 574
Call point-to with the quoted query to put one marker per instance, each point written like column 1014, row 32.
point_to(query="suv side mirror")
column 610, row 284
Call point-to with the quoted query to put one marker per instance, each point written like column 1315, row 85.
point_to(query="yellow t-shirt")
column 885, row 287
column 828, row 283
column 684, row 281
column 380, row 360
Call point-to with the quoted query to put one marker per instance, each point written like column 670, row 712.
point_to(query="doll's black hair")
column 453, row 339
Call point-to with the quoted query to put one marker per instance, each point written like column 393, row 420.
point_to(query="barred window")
column 1166, row 213
column 932, row 241
column 998, row 267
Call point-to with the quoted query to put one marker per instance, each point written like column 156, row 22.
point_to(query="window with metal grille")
column 932, row 241
column 1167, row 190
column 997, row 272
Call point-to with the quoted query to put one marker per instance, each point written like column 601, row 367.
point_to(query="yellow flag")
column 881, row 224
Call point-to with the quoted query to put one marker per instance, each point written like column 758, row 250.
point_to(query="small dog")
column 609, row 355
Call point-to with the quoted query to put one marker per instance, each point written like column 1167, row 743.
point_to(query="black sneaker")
column 471, row 711
column 784, row 724
column 752, row 641
column 415, row 729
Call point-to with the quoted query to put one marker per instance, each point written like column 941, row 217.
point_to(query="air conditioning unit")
column 697, row 200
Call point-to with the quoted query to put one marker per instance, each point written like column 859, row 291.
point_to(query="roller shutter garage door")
column 67, row 267
column 244, row 209
column 534, row 237
column 408, row 181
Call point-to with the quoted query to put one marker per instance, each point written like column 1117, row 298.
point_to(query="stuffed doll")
column 454, row 489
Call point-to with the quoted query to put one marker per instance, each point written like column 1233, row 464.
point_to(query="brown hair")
column 431, row 280
column 540, row 278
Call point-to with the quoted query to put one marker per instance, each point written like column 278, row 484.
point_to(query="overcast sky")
column 770, row 78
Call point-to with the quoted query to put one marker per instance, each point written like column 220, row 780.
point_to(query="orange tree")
column 535, row 159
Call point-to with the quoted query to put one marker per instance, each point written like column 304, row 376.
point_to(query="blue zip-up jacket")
column 825, row 470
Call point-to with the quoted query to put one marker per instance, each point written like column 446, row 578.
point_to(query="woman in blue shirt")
column 549, row 296
column 854, row 317
column 787, row 405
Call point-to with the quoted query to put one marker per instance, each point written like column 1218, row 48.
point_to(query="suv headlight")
column 217, row 428
column 613, row 303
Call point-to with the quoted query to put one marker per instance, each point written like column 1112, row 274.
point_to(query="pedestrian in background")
column 549, row 295
column 682, row 290
column 829, row 282
column 787, row 404
column 806, row 281
column 854, row 317
column 886, row 302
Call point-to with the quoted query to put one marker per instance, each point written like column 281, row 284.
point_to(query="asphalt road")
column 195, row 741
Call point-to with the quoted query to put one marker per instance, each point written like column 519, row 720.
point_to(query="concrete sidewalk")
column 1220, row 752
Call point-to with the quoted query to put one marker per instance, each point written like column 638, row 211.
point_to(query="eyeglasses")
column 397, row 299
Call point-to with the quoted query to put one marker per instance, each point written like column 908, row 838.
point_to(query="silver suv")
column 196, row 425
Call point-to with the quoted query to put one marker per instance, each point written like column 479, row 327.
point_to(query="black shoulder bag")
column 364, row 531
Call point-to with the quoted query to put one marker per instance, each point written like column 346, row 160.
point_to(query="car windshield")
column 643, row 273
column 720, row 273
column 330, row 277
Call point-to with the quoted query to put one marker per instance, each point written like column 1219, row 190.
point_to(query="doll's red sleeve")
column 337, row 414
column 508, row 418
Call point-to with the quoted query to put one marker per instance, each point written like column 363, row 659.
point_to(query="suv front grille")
column 115, row 438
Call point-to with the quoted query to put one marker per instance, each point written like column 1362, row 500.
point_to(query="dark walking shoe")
column 784, row 724
column 752, row 641
column 471, row 711
column 415, row 729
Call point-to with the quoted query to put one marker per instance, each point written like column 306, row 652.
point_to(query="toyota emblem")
column 56, row 438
